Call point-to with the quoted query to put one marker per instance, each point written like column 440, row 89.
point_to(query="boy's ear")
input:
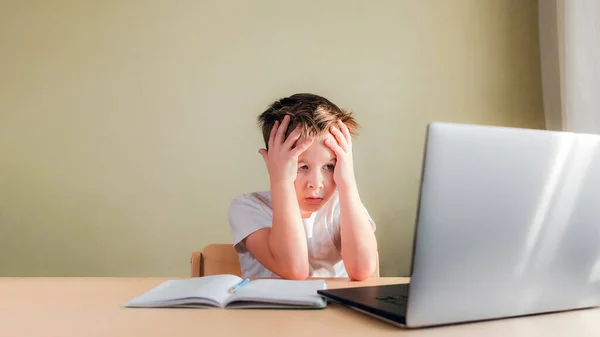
column 263, row 153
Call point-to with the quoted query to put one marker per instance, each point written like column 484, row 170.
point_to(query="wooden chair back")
column 215, row 258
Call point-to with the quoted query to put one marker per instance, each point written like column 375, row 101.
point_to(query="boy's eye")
column 303, row 167
column 330, row 167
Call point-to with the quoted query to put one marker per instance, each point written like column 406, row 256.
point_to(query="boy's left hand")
column 343, row 173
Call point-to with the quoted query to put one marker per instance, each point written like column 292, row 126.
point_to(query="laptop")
column 508, row 225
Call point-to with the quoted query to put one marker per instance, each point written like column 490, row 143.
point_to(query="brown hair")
column 314, row 113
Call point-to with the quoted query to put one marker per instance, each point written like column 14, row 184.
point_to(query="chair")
column 215, row 258
column 221, row 258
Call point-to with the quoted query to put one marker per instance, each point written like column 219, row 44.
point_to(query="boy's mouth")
column 313, row 200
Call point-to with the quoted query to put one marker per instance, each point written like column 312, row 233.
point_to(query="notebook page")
column 213, row 287
column 279, row 291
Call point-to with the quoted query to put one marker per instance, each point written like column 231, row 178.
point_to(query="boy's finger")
column 335, row 147
column 303, row 146
column 293, row 137
column 281, row 130
column 272, row 135
column 345, row 131
column 339, row 137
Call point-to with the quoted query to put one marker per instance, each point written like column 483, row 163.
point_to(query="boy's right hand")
column 282, row 157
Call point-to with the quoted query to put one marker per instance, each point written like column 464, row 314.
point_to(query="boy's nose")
column 316, row 181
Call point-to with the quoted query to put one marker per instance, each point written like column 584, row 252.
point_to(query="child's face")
column 314, row 183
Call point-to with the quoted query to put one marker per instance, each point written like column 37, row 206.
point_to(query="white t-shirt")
column 251, row 212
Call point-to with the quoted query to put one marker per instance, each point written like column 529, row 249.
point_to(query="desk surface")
column 92, row 307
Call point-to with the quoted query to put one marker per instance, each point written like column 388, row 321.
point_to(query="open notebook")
column 213, row 291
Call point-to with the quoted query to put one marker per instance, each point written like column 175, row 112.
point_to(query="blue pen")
column 239, row 285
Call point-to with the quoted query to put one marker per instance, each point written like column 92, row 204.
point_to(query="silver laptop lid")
column 508, row 224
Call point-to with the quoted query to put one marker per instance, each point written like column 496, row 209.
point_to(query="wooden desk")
column 92, row 307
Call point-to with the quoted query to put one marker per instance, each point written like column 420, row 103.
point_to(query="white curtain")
column 570, row 58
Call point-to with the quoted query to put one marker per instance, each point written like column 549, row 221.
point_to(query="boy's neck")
column 306, row 215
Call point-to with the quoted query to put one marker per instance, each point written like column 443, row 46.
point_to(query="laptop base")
column 387, row 303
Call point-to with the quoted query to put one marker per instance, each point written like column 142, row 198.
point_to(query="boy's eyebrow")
column 332, row 160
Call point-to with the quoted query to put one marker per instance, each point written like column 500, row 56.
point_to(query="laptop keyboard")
column 399, row 300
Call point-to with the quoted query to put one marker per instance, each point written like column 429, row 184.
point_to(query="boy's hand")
column 282, row 157
column 343, row 173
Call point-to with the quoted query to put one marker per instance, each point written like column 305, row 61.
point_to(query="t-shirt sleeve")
column 245, row 218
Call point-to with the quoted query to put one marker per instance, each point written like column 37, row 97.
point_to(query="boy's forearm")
column 359, row 245
column 287, row 239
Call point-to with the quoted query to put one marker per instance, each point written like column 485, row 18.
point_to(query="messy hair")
column 315, row 115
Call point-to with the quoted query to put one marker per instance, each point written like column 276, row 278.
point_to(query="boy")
column 312, row 222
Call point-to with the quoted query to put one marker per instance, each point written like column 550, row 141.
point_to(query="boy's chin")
column 310, row 208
